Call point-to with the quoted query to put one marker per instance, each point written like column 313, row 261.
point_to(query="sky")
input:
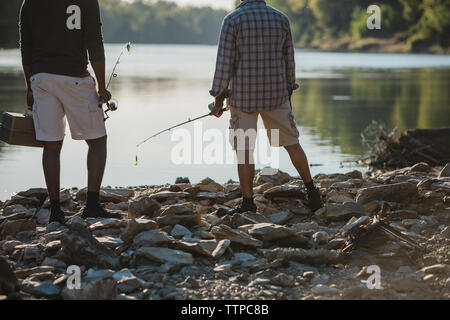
column 227, row 4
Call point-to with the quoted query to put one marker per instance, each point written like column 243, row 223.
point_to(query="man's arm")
column 289, row 56
column 26, row 50
column 95, row 48
column 225, row 64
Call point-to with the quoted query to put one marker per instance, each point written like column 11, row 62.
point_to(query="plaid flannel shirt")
column 255, row 59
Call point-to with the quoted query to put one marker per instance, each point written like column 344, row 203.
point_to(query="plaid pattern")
column 255, row 58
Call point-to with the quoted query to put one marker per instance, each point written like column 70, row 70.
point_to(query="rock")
column 285, row 191
column 165, row 255
column 337, row 211
column 40, row 289
column 222, row 246
column 107, row 223
column 17, row 208
column 110, row 242
column 152, row 238
column 321, row 289
column 108, row 195
column 421, row 167
column 9, row 246
column 280, row 217
column 178, row 214
column 81, row 248
column 164, row 195
column 339, row 196
column 11, row 228
column 398, row 192
column 8, row 280
column 39, row 193
column 445, row 172
column 22, row 201
column 348, row 184
column 209, row 185
column 77, row 223
column 320, row 237
column 56, row 263
column 275, row 179
column 262, row 188
column 267, row 231
column 202, row 195
column 240, row 219
column 178, row 231
column 42, row 216
column 310, row 257
column 127, row 282
column 136, row 226
column 104, row 289
column 143, row 206
column 355, row 222
column 355, row 174
column 437, row 268
column 182, row 180
column 24, row 273
column 235, row 236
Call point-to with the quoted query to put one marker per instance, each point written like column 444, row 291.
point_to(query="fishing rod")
column 112, row 105
column 211, row 107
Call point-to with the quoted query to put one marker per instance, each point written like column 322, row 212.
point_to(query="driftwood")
column 413, row 146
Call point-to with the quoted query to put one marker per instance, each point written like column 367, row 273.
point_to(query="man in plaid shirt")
column 256, row 68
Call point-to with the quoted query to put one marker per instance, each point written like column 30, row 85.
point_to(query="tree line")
column 406, row 25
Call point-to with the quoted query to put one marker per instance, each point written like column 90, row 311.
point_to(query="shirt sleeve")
column 94, row 36
column 26, row 42
column 289, row 56
column 225, row 59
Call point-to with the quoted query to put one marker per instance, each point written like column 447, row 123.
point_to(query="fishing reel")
column 112, row 105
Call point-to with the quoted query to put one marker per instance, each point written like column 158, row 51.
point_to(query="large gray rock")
column 40, row 289
column 81, row 248
column 285, row 191
column 338, row 211
column 108, row 195
column 143, row 206
column 397, row 192
column 126, row 281
column 267, row 231
column 152, row 238
column 136, row 226
column 235, row 236
column 11, row 228
column 178, row 214
column 8, row 280
column 275, row 179
column 165, row 255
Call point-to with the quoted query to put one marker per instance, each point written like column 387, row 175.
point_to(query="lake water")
column 162, row 85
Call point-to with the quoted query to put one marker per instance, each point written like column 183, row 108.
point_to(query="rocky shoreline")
column 173, row 243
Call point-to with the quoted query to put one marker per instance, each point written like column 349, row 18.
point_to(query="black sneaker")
column 244, row 207
column 314, row 199
column 99, row 211
column 57, row 216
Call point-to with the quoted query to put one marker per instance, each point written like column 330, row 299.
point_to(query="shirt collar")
column 243, row 3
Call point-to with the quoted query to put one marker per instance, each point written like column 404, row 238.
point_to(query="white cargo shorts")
column 57, row 97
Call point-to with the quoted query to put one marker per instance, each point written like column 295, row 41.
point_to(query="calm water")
column 158, row 86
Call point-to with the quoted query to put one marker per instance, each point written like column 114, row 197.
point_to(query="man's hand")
column 104, row 95
column 217, row 112
column 30, row 99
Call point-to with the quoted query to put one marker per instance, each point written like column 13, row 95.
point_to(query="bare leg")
column 51, row 164
column 96, row 161
column 246, row 173
column 300, row 162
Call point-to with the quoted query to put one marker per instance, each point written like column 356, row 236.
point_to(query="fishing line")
column 211, row 107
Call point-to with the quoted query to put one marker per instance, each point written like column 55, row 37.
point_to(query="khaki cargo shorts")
column 58, row 97
column 279, row 123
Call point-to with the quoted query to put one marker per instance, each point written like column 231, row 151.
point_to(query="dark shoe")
column 244, row 207
column 57, row 216
column 99, row 212
column 314, row 199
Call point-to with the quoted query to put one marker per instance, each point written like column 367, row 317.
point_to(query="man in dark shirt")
column 56, row 37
